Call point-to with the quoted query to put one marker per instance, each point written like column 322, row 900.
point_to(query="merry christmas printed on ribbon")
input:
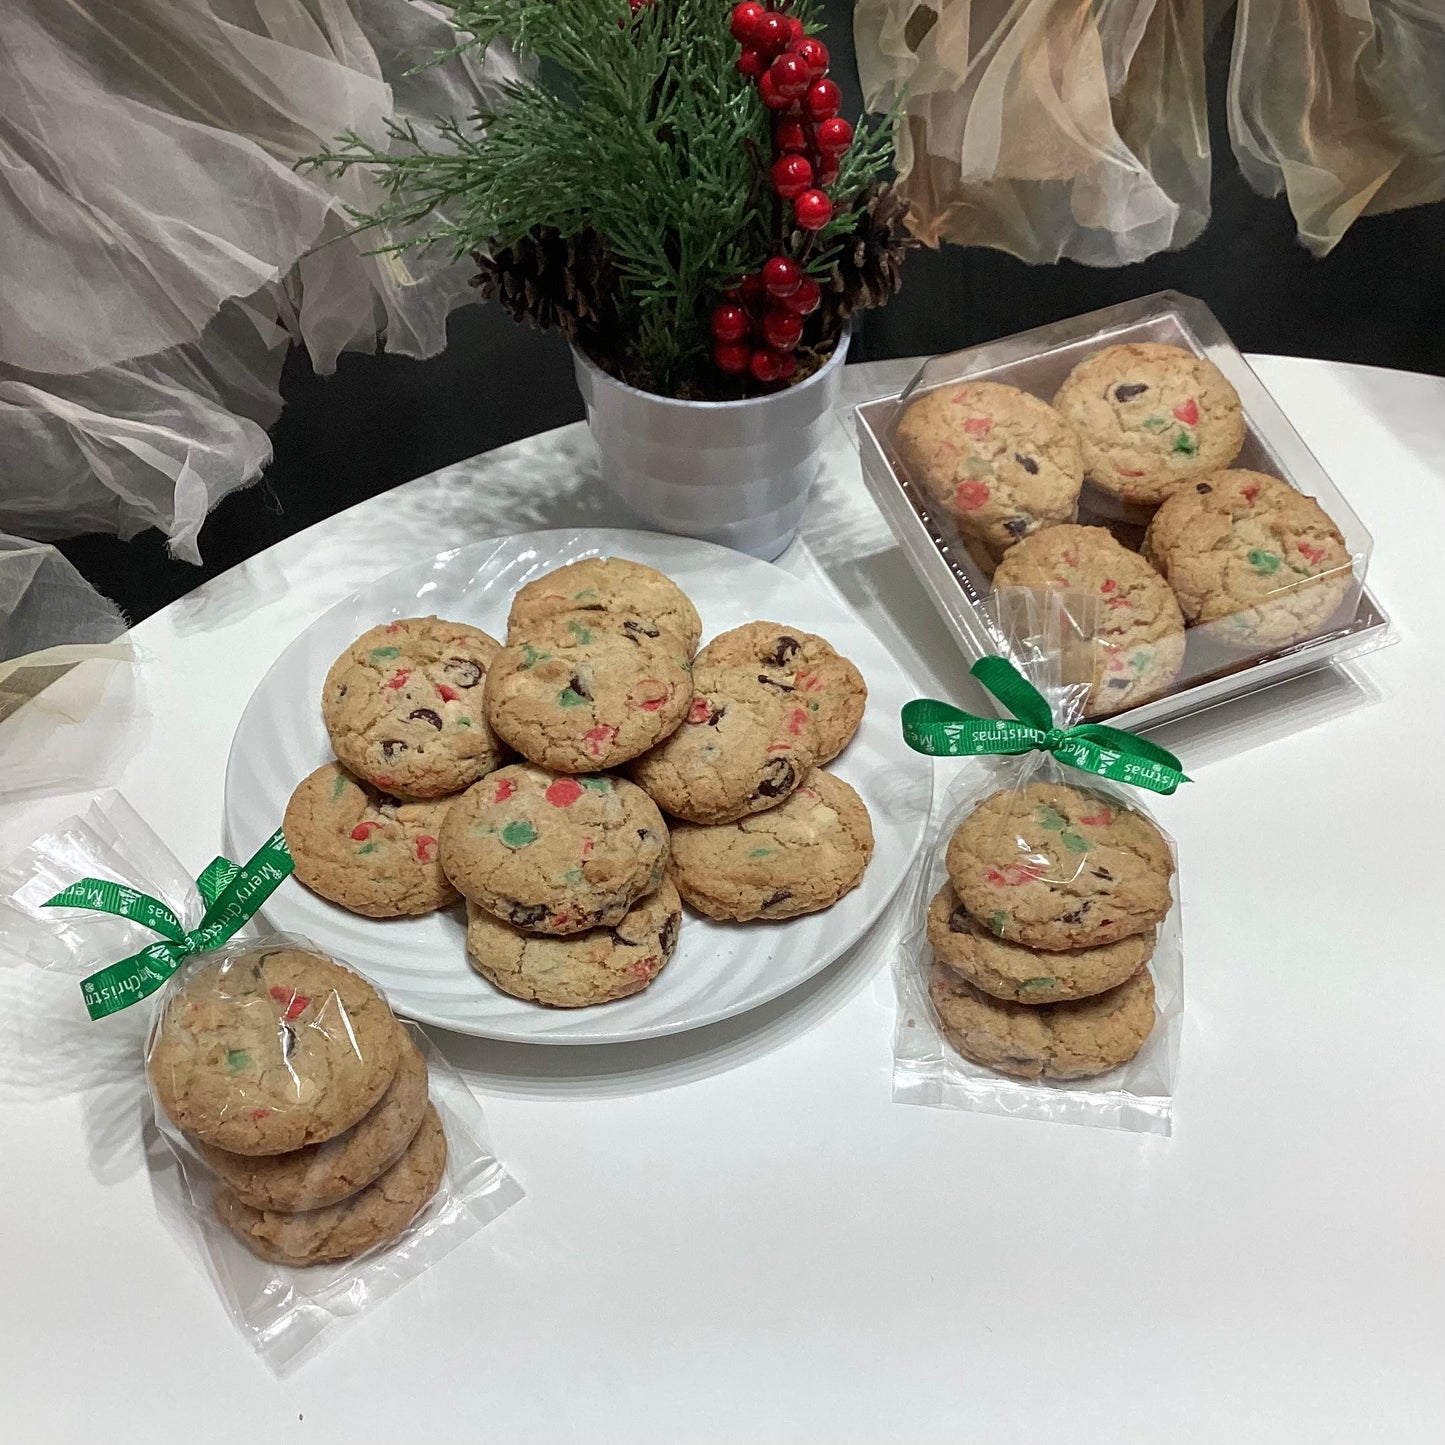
column 941, row 730
column 232, row 894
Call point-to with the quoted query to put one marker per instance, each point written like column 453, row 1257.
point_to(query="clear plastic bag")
column 1046, row 1010
column 228, row 1092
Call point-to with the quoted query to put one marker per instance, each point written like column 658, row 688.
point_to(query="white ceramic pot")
column 732, row 472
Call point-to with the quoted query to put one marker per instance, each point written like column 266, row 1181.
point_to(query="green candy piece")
column 368, row 848
column 582, row 634
column 1074, row 843
column 338, row 788
column 598, row 785
column 572, row 875
column 1262, row 561
column 519, row 834
column 531, row 657
column 1155, row 423
column 1037, row 983
column 236, row 1060
column 997, row 922
column 761, row 853
column 1050, row 818
column 568, row 698
column 1184, row 444
column 1140, row 660
column 585, row 592
column 384, row 654
column 464, row 722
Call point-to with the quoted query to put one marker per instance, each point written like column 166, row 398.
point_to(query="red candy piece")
column 1108, row 585
column 1097, row 820
column 504, row 790
column 449, row 694
column 813, row 210
column 426, row 848
column 362, row 831
column 563, row 792
column 971, row 495
column 978, row 426
column 1251, row 492
column 797, row 720
column 260, row 1113
column 1312, row 554
column 293, row 1004
column 823, row 99
column 1188, row 412
column 649, row 703
column 781, row 748
column 384, row 782
column 1125, row 472
column 700, row 711
column 393, row 627
column 397, row 680
column 588, row 845
column 597, row 738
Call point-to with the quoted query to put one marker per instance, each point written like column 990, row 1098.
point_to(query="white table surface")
column 735, row 1235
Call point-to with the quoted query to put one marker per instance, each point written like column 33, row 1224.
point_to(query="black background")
column 1379, row 298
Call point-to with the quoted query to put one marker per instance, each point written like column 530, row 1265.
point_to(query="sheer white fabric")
column 160, row 251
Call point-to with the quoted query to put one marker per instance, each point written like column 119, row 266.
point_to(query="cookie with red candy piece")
column 1150, row 418
column 403, row 707
column 1002, row 463
column 1136, row 629
column 363, row 850
column 271, row 1049
column 554, row 853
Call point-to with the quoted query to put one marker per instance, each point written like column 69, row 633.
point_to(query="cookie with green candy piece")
column 403, row 707
column 1136, row 628
column 552, row 852
column 608, row 585
column 580, row 692
column 1026, row 975
column 1056, row 867
column 1078, row 1040
column 1150, row 418
column 1244, row 552
column 370, row 853
column 271, row 1049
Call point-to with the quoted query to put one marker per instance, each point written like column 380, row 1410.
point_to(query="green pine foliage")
column 637, row 125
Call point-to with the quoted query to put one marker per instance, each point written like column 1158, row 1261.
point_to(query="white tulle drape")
column 160, row 252
column 1055, row 128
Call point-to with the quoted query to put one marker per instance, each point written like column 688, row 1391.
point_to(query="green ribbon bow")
column 231, row 893
column 939, row 730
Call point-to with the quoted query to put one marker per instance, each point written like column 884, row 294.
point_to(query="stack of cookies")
column 1042, row 935
column 570, row 873
column 291, row 1078
column 1146, row 433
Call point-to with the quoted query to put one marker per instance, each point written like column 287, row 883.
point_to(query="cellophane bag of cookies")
column 1045, row 975
column 313, row 1150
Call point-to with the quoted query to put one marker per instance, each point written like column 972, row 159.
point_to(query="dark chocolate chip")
column 525, row 915
column 1118, row 682
column 1017, row 526
column 1027, row 463
column 288, row 1041
column 1104, row 874
column 426, row 715
column 341, row 692
column 667, row 939
column 1077, row 916
column 959, row 921
column 632, row 628
column 716, row 715
column 774, row 683
column 1203, row 487
column 1129, row 391
column 786, row 648
column 579, row 687
column 462, row 672
column 391, row 747
column 644, row 833
column 778, row 779
column 773, row 899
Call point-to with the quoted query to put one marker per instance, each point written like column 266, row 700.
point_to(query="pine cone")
column 551, row 280
column 869, row 270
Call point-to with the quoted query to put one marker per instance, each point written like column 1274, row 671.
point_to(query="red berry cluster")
column 809, row 136
column 758, row 327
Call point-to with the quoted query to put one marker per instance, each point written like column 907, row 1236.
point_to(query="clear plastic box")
column 1215, row 668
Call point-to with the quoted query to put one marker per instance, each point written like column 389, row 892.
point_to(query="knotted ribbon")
column 940, row 730
column 232, row 894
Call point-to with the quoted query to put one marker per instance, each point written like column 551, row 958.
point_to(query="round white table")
column 735, row 1235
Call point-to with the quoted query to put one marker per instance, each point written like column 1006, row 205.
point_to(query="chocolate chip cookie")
column 1137, row 629
column 1247, row 553
column 364, row 850
column 580, row 692
column 1056, row 867
column 1027, row 975
column 554, row 853
column 1002, row 462
column 322, row 1174
column 264, row 1051
column 1150, row 418
column 403, row 707
column 1053, row 1041
column 796, row 858
column 796, row 666
column 627, row 590
column 375, row 1216
column 583, row 968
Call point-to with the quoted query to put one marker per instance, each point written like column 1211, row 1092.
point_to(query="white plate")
column 718, row 969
